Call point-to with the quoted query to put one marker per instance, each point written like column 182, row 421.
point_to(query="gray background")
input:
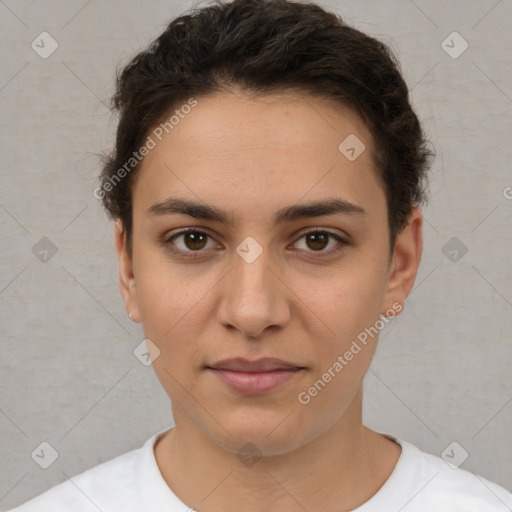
column 68, row 373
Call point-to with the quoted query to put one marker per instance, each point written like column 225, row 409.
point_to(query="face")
column 260, row 275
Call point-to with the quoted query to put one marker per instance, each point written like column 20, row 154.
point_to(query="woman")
column 266, row 186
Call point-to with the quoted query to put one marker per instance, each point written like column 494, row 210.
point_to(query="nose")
column 254, row 297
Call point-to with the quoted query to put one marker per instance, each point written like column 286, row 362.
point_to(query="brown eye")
column 194, row 240
column 318, row 240
column 188, row 241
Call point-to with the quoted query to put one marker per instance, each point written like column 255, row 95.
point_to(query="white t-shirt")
column 132, row 482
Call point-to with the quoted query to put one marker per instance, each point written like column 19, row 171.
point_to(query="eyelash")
column 197, row 254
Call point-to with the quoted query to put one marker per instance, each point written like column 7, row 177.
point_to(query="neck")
column 338, row 470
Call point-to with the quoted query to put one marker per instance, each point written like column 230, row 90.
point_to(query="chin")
column 262, row 433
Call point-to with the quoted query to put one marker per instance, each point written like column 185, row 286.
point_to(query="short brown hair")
column 266, row 46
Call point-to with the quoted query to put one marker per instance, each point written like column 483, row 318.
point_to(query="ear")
column 405, row 261
column 126, row 276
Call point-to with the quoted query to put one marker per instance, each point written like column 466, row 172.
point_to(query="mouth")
column 254, row 377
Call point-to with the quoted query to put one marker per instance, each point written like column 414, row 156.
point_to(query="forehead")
column 245, row 154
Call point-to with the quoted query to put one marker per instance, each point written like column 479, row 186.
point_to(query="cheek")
column 170, row 308
column 350, row 307
column 163, row 298
column 174, row 306
column 348, row 302
column 164, row 290
column 344, row 345
column 173, row 318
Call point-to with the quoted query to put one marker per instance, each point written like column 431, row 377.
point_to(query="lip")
column 264, row 364
column 254, row 377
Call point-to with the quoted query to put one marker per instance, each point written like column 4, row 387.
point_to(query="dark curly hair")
column 261, row 47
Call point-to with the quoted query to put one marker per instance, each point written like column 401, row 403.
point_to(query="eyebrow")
column 174, row 206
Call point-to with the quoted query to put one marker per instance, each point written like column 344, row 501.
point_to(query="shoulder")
column 91, row 490
column 430, row 483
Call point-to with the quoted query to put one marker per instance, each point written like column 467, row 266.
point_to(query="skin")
column 252, row 156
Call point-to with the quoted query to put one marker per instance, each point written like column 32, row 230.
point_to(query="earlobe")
column 405, row 261
column 126, row 275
